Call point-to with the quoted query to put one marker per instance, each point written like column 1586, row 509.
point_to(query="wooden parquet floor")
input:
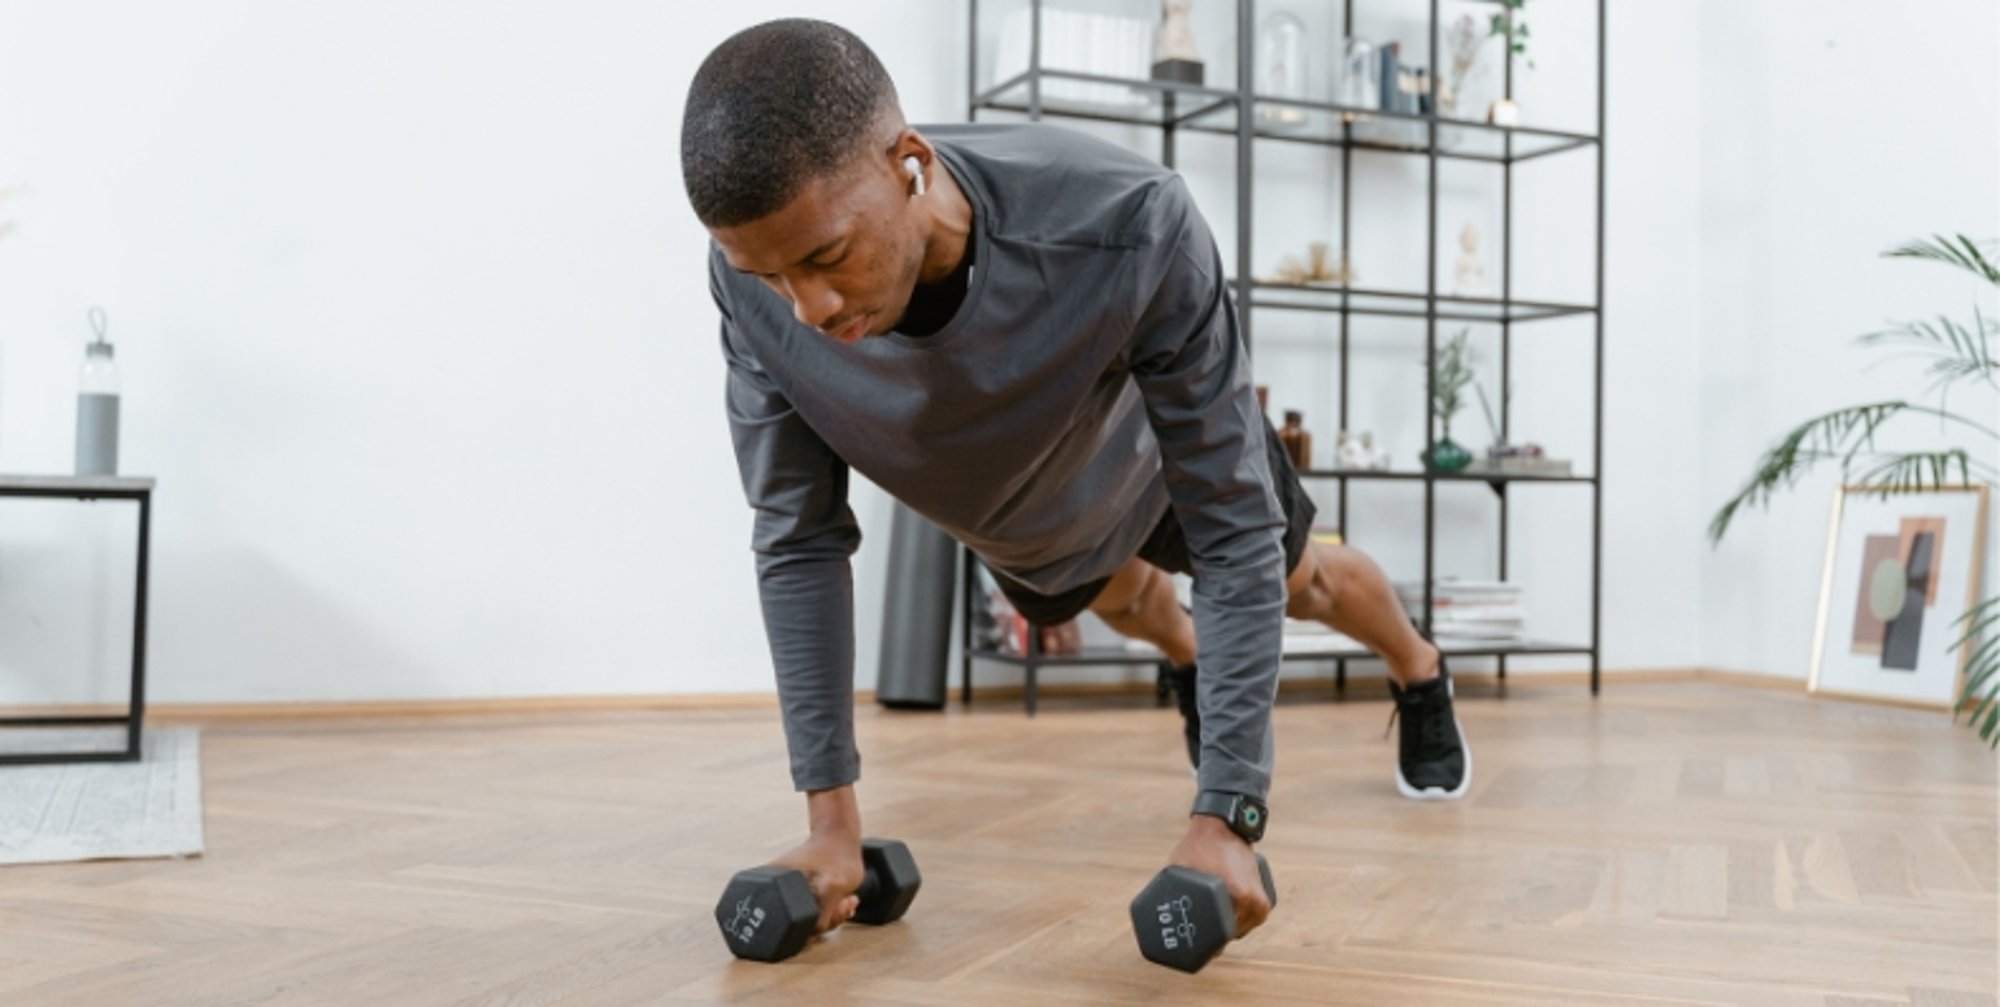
column 1669, row 843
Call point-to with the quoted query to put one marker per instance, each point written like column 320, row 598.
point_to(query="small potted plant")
column 1452, row 375
column 1508, row 26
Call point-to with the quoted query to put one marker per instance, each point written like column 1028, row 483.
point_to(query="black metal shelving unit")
column 1175, row 108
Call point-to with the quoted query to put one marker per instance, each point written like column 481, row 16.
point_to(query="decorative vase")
column 1446, row 456
column 1281, row 69
column 1175, row 56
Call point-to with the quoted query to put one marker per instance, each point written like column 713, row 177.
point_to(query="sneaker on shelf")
column 1433, row 762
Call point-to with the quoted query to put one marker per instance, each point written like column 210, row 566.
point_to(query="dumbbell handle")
column 1264, row 875
column 870, row 883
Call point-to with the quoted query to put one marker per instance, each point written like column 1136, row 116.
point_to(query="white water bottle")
column 97, row 406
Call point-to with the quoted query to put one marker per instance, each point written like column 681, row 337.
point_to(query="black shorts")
column 1167, row 546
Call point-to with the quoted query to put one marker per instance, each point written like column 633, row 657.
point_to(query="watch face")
column 1251, row 816
column 1245, row 815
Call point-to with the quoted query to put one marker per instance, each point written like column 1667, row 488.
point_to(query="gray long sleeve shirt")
column 1092, row 377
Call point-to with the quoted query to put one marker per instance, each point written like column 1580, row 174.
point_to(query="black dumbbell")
column 767, row 914
column 1183, row 918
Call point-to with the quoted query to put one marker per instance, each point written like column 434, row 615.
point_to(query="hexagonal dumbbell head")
column 767, row 914
column 890, row 884
column 1183, row 918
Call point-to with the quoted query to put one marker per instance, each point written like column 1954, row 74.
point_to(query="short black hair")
column 773, row 108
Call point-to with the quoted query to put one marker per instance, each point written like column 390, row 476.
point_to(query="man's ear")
column 908, row 144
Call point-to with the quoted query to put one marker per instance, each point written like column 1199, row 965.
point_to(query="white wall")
column 414, row 329
column 415, row 333
column 1831, row 131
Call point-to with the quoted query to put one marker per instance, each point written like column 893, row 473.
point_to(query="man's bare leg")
column 1139, row 602
column 1336, row 585
column 1340, row 586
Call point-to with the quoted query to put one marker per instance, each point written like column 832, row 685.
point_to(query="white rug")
column 101, row 810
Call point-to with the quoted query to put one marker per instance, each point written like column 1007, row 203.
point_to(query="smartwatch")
column 1245, row 815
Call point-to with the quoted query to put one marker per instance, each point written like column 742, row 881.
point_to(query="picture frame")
column 1901, row 569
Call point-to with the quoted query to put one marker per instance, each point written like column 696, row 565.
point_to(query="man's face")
column 845, row 252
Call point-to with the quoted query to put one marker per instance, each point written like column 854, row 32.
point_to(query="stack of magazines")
column 1461, row 609
column 1301, row 637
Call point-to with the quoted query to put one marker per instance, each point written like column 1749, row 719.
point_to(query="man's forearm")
column 809, row 617
column 1241, row 639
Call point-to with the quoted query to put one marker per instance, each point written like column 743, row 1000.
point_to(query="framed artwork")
column 1900, row 571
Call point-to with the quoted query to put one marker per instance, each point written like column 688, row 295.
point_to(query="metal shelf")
column 1144, row 102
column 1132, row 101
column 1404, row 304
column 1465, row 476
column 1250, row 122
column 1086, row 657
column 1110, row 656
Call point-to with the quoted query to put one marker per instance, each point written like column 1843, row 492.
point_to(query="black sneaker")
column 1181, row 681
column 1433, row 762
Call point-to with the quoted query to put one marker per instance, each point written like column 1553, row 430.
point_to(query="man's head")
column 793, row 148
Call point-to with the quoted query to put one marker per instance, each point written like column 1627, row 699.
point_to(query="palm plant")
column 1957, row 353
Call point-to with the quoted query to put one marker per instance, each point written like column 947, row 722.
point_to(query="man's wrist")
column 1241, row 814
column 1210, row 826
column 833, row 812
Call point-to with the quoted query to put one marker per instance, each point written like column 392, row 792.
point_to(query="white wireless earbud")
column 916, row 170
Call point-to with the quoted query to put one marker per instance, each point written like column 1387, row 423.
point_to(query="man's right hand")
column 1209, row 847
column 830, row 858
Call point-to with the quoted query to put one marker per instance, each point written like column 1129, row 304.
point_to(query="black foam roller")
column 916, row 614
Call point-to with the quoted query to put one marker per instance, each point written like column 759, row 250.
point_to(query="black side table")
column 91, row 488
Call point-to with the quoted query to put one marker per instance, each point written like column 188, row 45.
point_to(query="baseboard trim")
column 1370, row 685
column 189, row 713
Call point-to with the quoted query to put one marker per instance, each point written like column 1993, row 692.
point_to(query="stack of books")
column 1488, row 611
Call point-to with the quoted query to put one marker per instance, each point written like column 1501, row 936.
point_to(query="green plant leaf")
column 1960, row 251
column 1916, row 472
column 1958, row 353
column 1982, row 670
column 1981, row 664
column 1452, row 373
column 1844, row 434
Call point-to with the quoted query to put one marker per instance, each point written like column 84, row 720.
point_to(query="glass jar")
column 1281, row 57
column 1282, row 69
column 1360, row 76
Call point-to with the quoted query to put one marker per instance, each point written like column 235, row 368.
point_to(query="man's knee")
column 1309, row 591
column 1125, row 594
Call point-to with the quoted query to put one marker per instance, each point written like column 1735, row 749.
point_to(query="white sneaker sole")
column 1439, row 793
